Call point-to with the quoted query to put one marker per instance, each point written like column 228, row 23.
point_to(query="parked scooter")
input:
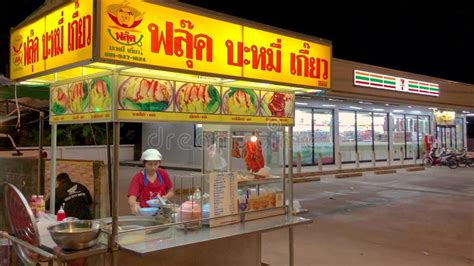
column 444, row 158
column 463, row 159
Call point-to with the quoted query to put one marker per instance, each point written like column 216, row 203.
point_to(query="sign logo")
column 126, row 19
column 72, row 190
column 380, row 81
column 17, row 53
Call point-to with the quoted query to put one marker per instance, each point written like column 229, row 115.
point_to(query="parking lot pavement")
column 407, row 218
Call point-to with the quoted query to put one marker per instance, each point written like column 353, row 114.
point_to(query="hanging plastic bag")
column 215, row 159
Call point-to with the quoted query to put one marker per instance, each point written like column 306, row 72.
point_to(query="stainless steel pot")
column 75, row 235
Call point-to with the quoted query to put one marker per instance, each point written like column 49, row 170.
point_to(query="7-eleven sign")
column 379, row 81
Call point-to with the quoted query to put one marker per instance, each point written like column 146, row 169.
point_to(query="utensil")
column 163, row 202
column 155, row 203
column 169, row 210
column 147, row 211
column 75, row 235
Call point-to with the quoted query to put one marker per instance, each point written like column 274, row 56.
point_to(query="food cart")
column 119, row 62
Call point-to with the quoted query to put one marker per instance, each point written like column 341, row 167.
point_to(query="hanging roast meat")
column 235, row 149
column 253, row 156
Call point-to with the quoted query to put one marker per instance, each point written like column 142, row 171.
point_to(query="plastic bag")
column 215, row 160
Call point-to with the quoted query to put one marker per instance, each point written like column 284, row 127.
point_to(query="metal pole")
column 290, row 164
column 284, row 163
column 40, row 188
column 229, row 149
column 292, row 249
column 116, row 143
column 109, row 166
column 52, row 188
column 290, row 182
column 203, row 152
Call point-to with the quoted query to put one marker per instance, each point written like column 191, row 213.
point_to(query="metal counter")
column 48, row 245
column 174, row 237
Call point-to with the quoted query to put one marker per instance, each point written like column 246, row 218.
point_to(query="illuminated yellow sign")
column 444, row 118
column 86, row 100
column 151, row 35
column 145, row 99
column 135, row 116
column 60, row 38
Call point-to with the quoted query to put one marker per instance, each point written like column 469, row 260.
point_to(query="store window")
column 323, row 135
column 364, row 136
column 381, row 136
column 423, row 130
column 459, row 133
column 411, row 136
column 398, row 135
column 302, row 136
column 347, row 135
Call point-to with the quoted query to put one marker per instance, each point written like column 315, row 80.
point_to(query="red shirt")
column 137, row 183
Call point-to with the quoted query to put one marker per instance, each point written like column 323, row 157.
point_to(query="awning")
column 36, row 96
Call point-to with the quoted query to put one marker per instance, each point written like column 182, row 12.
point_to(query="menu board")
column 223, row 199
column 146, row 99
column 85, row 100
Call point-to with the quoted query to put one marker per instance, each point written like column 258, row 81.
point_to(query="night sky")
column 425, row 37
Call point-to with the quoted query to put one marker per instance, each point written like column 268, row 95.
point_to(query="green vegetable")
column 157, row 106
column 131, row 105
column 58, row 109
column 232, row 92
column 153, row 107
column 213, row 105
column 250, row 93
column 213, row 92
column 85, row 100
column 105, row 79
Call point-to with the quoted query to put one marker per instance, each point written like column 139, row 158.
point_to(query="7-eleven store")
column 373, row 111
column 369, row 111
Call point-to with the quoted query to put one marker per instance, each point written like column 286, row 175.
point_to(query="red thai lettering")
column 125, row 36
column 181, row 42
column 304, row 65
column 239, row 61
column 53, row 41
column 31, row 50
column 263, row 58
column 79, row 32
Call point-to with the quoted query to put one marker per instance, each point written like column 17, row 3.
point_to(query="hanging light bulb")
column 253, row 138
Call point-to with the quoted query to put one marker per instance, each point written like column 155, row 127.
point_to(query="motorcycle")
column 463, row 159
column 447, row 158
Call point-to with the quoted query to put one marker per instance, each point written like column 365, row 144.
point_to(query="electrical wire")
column 18, row 125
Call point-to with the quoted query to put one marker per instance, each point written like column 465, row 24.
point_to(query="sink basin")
column 134, row 222
column 126, row 223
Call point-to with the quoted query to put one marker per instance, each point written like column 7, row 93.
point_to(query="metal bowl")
column 75, row 235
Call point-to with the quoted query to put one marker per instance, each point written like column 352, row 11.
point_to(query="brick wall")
column 22, row 173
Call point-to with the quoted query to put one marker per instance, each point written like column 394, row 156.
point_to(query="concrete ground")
column 407, row 218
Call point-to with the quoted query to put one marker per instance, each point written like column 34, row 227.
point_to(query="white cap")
column 151, row 155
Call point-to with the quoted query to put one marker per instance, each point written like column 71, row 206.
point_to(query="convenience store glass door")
column 302, row 136
column 323, row 135
column 446, row 136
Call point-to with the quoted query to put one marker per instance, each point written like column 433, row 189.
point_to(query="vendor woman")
column 149, row 182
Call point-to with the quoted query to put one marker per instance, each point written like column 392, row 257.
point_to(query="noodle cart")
column 153, row 61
